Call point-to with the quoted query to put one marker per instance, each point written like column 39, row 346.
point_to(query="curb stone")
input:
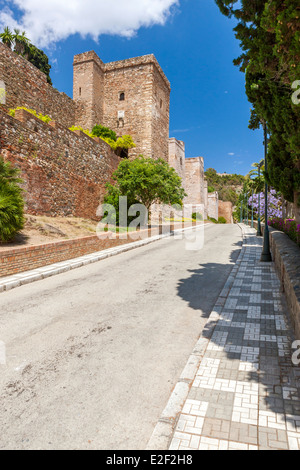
column 27, row 277
column 165, row 427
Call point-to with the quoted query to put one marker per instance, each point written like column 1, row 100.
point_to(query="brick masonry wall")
column 27, row 86
column 18, row 260
column 64, row 172
column 13, row 261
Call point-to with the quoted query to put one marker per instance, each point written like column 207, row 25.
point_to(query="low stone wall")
column 18, row 260
column 286, row 256
column 27, row 258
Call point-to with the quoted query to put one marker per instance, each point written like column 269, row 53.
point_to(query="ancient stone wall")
column 64, row 172
column 27, row 86
column 88, row 86
column 194, row 180
column 213, row 205
column 225, row 210
column 177, row 157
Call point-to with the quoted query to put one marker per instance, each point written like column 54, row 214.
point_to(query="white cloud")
column 49, row 21
column 231, row 154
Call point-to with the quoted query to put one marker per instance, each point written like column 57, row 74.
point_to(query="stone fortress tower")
column 132, row 97
column 129, row 96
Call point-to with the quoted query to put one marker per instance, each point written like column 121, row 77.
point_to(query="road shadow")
column 204, row 285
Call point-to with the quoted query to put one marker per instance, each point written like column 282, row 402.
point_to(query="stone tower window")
column 80, row 91
column 161, row 104
column 122, row 96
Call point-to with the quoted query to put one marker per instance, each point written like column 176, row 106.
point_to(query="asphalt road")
column 92, row 355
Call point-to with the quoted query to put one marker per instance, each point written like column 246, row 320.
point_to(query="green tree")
column 146, row 181
column 7, row 37
column 11, row 202
column 268, row 31
column 21, row 42
column 23, row 46
column 227, row 186
column 39, row 59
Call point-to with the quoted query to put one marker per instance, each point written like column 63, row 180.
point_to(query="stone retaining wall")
column 64, row 172
column 18, row 260
column 27, row 86
column 286, row 256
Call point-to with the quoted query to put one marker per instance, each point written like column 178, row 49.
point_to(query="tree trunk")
column 297, row 206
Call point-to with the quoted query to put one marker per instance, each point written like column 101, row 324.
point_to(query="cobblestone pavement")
column 246, row 391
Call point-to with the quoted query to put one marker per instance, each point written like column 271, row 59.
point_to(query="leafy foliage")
column 22, row 46
column 288, row 226
column 40, row 116
column 197, row 216
column 39, row 59
column 104, row 132
column 146, row 181
column 124, row 142
column 268, row 31
column 228, row 186
column 79, row 128
column 11, row 202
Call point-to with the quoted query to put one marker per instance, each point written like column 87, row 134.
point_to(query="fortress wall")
column 27, row 86
column 177, row 157
column 213, row 205
column 133, row 115
column 64, row 172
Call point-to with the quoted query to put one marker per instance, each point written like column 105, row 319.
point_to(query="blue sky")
column 195, row 46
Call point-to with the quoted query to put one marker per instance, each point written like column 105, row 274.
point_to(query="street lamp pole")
column 241, row 214
column 266, row 253
column 252, row 209
column 258, row 233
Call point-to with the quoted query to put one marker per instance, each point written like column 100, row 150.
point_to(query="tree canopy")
column 146, row 181
column 228, row 186
column 11, row 202
column 23, row 47
column 268, row 31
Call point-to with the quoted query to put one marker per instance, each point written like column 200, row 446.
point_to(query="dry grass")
column 42, row 229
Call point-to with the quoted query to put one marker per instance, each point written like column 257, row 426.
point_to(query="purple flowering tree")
column 274, row 204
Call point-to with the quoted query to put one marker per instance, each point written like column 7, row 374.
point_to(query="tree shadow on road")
column 202, row 288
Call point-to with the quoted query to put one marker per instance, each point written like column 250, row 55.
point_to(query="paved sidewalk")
column 245, row 393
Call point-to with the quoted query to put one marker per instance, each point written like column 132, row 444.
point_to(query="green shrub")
column 104, row 132
column 78, row 128
column 221, row 220
column 212, row 219
column 11, row 203
column 197, row 216
column 124, row 142
column 40, row 116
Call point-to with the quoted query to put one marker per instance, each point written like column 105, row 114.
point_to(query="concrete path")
column 93, row 353
column 241, row 387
